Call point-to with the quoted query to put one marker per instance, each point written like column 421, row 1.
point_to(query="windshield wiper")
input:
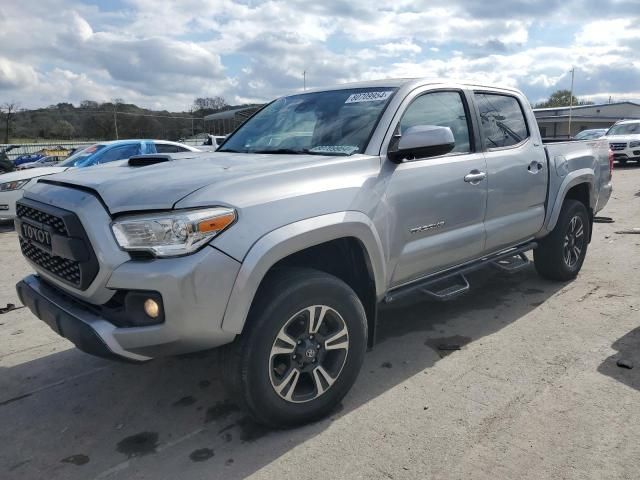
column 230, row 150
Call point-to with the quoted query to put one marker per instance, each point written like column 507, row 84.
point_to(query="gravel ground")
column 533, row 393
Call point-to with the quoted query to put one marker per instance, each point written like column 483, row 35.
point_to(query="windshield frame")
column 388, row 101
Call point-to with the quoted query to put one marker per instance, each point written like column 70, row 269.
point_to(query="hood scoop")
column 145, row 160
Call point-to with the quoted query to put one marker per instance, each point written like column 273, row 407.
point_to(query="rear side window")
column 168, row 148
column 443, row 109
column 120, row 153
column 502, row 120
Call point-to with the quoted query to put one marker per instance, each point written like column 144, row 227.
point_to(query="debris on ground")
column 603, row 220
column 631, row 231
column 622, row 363
column 448, row 347
column 8, row 308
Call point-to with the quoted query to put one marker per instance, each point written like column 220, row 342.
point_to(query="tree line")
column 117, row 119
column 104, row 121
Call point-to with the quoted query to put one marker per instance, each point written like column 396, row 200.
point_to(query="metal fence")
column 31, row 148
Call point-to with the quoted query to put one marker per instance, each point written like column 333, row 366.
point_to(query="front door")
column 516, row 168
column 437, row 203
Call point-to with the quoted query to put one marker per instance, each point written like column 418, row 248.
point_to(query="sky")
column 163, row 54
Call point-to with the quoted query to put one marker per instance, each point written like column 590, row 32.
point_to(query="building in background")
column 225, row 122
column 554, row 122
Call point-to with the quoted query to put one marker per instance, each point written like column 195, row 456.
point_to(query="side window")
column 443, row 109
column 168, row 148
column 120, row 153
column 502, row 120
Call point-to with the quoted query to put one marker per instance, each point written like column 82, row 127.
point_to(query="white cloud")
column 164, row 54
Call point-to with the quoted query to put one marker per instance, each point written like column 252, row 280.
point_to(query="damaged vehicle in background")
column 280, row 246
column 13, row 184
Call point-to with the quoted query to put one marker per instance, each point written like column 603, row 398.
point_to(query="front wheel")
column 561, row 254
column 301, row 349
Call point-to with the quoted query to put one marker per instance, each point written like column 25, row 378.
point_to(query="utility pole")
column 573, row 71
column 191, row 115
column 115, row 119
column 304, row 80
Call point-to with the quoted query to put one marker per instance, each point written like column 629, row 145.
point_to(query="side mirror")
column 422, row 141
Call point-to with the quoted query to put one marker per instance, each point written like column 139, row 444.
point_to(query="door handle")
column 535, row 166
column 475, row 176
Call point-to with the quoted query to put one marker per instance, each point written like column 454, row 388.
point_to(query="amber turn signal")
column 216, row 224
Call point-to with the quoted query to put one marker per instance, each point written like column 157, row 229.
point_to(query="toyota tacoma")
column 280, row 246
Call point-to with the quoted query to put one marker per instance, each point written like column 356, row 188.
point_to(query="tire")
column 556, row 258
column 264, row 383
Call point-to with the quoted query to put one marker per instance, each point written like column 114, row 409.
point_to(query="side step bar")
column 452, row 283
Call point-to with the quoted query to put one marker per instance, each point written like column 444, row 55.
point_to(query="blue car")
column 13, row 184
column 120, row 149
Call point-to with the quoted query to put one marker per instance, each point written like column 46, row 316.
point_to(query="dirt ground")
column 533, row 393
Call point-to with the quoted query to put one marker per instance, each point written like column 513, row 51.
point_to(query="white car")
column 13, row 184
column 624, row 141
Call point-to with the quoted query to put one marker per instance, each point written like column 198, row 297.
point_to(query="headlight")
column 634, row 144
column 15, row 185
column 173, row 233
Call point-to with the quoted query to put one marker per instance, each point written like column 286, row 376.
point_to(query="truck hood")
column 31, row 173
column 161, row 186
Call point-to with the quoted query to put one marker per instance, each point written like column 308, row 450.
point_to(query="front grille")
column 41, row 217
column 66, row 251
column 63, row 268
column 617, row 146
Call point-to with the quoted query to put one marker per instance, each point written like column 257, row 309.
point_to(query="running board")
column 512, row 264
column 453, row 282
column 447, row 288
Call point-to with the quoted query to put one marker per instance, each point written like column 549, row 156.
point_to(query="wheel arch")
column 345, row 244
column 578, row 185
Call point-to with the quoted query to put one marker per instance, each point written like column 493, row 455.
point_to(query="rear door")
column 437, row 204
column 516, row 167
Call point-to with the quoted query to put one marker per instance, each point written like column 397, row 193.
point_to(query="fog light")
column 151, row 308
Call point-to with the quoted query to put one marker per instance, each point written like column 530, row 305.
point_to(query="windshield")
column 625, row 129
column 81, row 158
column 338, row 122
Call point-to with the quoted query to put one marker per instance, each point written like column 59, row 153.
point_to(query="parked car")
column 13, row 184
column 590, row 134
column 624, row 141
column 41, row 162
column 27, row 158
column 282, row 244
column 6, row 165
column 213, row 140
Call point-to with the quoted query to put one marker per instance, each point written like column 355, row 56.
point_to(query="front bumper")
column 629, row 153
column 68, row 319
column 8, row 204
column 194, row 289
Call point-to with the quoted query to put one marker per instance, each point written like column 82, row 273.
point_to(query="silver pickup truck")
column 282, row 244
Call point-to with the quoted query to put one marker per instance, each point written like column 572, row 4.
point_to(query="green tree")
column 562, row 98
column 63, row 129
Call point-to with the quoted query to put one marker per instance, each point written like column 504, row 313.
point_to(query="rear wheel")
column 301, row 350
column 560, row 255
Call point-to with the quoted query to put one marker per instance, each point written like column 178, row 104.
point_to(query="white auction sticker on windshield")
column 337, row 149
column 368, row 97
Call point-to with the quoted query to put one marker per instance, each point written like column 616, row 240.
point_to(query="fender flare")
column 297, row 236
column 577, row 177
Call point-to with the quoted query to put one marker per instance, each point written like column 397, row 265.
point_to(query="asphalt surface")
column 534, row 391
